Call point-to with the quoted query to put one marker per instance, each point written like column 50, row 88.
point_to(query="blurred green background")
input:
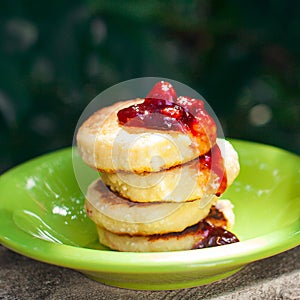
column 56, row 56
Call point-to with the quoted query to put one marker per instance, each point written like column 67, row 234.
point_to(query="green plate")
column 42, row 217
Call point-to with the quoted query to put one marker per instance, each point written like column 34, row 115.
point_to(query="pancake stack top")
column 162, row 173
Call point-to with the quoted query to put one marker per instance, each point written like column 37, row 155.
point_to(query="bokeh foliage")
column 56, row 56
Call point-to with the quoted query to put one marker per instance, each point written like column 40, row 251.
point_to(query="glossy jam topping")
column 214, row 236
column 163, row 110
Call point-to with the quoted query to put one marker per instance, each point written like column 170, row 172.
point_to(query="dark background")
column 56, row 56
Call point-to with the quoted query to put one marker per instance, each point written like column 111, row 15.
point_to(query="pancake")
column 192, row 237
column 186, row 182
column 105, row 145
column 120, row 215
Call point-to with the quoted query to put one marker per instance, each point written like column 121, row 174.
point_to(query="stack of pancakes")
column 153, row 193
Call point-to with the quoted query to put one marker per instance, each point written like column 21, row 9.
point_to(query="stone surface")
column 277, row 277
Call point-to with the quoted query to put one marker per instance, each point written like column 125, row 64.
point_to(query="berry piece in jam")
column 190, row 104
column 163, row 91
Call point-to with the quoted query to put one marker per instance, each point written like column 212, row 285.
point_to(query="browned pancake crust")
column 192, row 237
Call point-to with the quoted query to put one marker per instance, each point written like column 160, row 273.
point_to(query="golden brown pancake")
column 120, row 215
column 190, row 238
column 105, row 145
column 178, row 184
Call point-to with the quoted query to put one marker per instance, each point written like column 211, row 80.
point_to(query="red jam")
column 214, row 161
column 214, row 236
column 163, row 110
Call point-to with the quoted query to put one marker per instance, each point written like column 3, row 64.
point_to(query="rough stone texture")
column 277, row 277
